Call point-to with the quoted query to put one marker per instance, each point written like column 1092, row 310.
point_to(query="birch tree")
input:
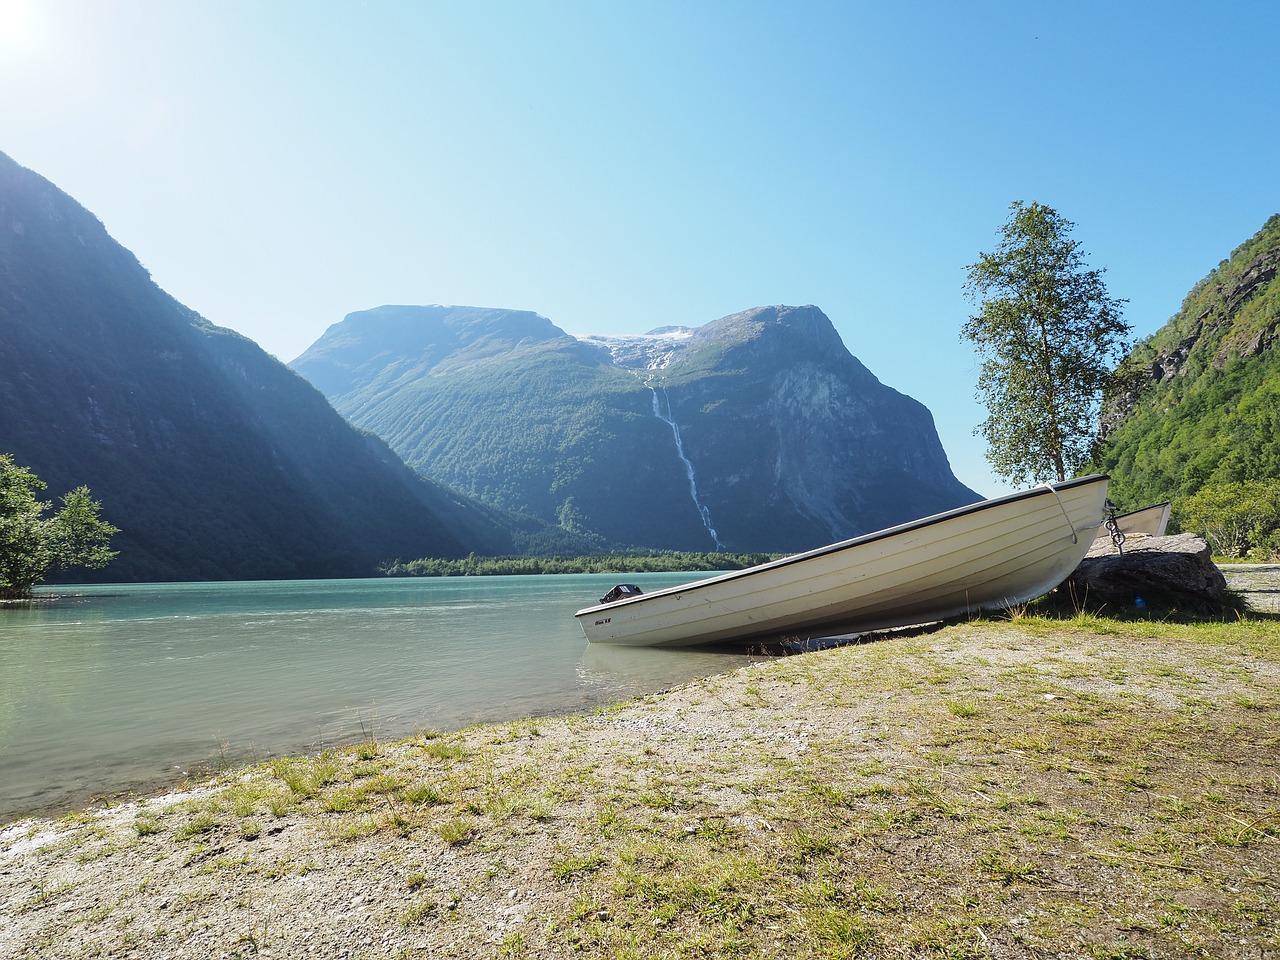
column 1047, row 336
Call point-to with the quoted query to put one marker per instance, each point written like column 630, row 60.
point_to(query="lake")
column 115, row 688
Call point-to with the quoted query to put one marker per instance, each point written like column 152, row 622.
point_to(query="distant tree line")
column 661, row 561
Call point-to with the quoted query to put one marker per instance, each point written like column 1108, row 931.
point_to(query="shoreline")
column 1258, row 583
column 990, row 788
column 211, row 674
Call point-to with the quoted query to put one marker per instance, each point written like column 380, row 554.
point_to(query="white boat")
column 984, row 556
column 1149, row 521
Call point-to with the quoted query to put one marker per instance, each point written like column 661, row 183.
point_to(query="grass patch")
column 456, row 831
column 196, row 826
column 576, row 866
column 1058, row 789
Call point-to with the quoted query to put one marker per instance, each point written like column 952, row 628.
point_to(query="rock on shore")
column 1175, row 571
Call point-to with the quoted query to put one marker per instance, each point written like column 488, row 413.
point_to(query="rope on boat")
column 1065, row 516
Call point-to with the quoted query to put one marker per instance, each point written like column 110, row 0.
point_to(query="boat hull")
column 984, row 556
column 1149, row 522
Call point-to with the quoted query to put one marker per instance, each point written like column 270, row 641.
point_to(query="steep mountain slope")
column 795, row 442
column 1205, row 408
column 758, row 431
column 214, row 459
column 505, row 407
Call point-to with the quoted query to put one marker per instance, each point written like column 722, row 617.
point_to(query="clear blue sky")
column 617, row 166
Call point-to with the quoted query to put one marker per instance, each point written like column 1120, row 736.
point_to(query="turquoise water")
column 109, row 689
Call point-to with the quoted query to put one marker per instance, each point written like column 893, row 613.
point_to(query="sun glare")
column 19, row 29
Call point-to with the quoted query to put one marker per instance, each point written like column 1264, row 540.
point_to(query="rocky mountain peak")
column 418, row 337
column 774, row 333
column 756, row 431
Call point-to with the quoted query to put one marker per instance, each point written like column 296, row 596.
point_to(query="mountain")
column 1204, row 404
column 755, row 432
column 214, row 459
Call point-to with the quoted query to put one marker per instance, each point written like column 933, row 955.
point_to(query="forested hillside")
column 506, row 407
column 1203, row 417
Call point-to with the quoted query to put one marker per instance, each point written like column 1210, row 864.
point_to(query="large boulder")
column 1176, row 571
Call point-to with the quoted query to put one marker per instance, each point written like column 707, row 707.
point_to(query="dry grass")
column 1038, row 788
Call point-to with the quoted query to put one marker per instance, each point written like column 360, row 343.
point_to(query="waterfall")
column 670, row 421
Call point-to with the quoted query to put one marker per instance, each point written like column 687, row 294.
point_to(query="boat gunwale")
column 1044, row 489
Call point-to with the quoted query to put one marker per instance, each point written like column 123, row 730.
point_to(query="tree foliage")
column 1238, row 519
column 1048, row 336
column 32, row 544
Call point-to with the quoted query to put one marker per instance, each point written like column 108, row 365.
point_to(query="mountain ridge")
column 641, row 424
column 214, row 459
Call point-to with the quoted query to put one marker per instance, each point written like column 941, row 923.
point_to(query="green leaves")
column 24, row 548
column 1236, row 518
column 32, row 544
column 1047, row 337
column 79, row 537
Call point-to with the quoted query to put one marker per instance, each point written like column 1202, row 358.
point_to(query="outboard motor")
column 621, row 592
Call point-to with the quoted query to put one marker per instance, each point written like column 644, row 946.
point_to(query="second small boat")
column 1148, row 522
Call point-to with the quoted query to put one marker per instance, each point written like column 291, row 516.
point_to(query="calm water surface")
column 114, row 688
